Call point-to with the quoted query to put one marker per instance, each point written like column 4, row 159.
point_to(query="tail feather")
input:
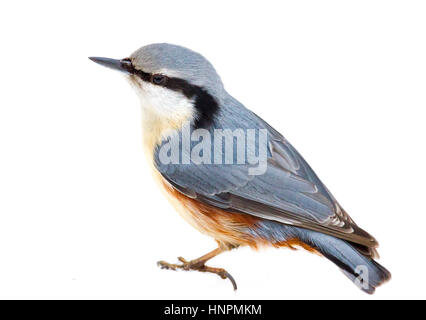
column 356, row 262
column 361, row 269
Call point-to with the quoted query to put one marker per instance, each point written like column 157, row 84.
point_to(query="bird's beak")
column 124, row 65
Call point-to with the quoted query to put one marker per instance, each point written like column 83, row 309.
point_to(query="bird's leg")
column 199, row 264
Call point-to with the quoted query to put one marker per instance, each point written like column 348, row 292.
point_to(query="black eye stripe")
column 143, row 75
column 205, row 104
column 127, row 63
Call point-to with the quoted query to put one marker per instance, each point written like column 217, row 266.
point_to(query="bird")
column 284, row 205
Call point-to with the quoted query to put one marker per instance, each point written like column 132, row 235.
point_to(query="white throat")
column 163, row 110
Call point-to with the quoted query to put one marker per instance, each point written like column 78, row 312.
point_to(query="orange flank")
column 230, row 229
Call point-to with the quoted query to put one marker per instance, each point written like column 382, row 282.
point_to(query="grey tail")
column 360, row 268
column 356, row 261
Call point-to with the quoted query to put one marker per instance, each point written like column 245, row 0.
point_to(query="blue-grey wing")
column 289, row 191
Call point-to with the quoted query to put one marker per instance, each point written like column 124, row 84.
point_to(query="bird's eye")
column 159, row 79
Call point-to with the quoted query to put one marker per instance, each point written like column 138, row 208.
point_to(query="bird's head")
column 173, row 83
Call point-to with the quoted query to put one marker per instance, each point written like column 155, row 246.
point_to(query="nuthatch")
column 282, row 204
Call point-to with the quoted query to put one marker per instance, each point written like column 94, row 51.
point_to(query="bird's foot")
column 197, row 265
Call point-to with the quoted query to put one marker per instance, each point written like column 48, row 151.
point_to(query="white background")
column 80, row 217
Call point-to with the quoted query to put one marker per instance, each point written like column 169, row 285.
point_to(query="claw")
column 231, row 278
column 167, row 266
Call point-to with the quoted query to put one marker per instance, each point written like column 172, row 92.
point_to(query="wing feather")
column 289, row 192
